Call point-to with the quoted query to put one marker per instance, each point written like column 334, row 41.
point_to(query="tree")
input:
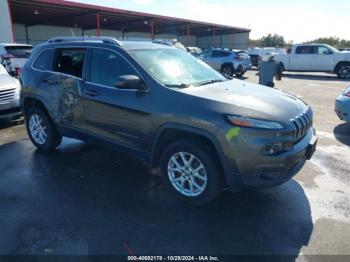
column 333, row 41
column 270, row 40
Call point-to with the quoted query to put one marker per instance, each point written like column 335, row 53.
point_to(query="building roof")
column 73, row 14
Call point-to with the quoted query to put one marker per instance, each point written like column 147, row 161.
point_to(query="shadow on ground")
column 86, row 200
column 302, row 76
column 7, row 123
column 342, row 133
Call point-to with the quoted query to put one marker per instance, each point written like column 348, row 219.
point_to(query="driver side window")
column 107, row 66
column 322, row 50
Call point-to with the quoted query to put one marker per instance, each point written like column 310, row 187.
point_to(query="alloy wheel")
column 37, row 129
column 187, row 174
column 344, row 71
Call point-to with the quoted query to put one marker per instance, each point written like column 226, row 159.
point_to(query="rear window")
column 242, row 54
column 19, row 51
column 70, row 61
column 45, row 60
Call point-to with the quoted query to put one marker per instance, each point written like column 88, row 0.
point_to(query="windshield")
column 173, row 67
column 19, row 51
column 334, row 50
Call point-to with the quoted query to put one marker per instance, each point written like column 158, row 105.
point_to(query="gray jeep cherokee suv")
column 169, row 109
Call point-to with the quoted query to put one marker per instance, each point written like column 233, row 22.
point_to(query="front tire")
column 239, row 71
column 41, row 130
column 343, row 71
column 190, row 171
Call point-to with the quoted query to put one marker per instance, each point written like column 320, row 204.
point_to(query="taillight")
column 238, row 58
column 347, row 94
column 18, row 71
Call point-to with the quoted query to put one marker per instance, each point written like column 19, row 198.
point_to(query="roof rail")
column 106, row 40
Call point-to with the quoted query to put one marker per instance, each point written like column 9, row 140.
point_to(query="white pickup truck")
column 316, row 58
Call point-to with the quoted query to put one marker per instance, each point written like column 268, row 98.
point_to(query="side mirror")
column 130, row 82
column 326, row 52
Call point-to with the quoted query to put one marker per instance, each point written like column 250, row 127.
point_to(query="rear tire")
column 227, row 70
column 190, row 172
column 41, row 130
column 343, row 71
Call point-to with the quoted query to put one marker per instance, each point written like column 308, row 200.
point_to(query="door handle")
column 91, row 93
column 50, row 81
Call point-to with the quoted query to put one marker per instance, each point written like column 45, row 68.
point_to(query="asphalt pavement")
column 86, row 200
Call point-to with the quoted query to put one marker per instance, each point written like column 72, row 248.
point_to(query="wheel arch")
column 227, row 64
column 335, row 70
column 171, row 132
column 283, row 68
column 34, row 101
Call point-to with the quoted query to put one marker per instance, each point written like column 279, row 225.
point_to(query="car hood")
column 344, row 55
column 250, row 100
column 7, row 82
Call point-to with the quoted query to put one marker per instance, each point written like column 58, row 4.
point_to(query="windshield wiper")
column 177, row 85
column 207, row 82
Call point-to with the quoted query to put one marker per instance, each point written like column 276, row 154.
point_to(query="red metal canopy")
column 72, row 14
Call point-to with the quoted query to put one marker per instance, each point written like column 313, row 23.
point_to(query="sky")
column 296, row 20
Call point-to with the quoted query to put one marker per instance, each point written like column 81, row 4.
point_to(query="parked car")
column 263, row 54
column 342, row 105
column 195, row 51
column 228, row 62
column 169, row 109
column 14, row 56
column 173, row 43
column 316, row 58
column 9, row 95
column 344, row 49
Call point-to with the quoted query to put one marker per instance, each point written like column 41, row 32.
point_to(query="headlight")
column 254, row 123
column 347, row 92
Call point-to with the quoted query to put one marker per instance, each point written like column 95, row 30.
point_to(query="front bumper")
column 10, row 109
column 247, row 66
column 342, row 108
column 250, row 168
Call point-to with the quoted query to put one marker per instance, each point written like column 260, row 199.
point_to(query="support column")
column 233, row 39
column 98, row 33
column 214, row 36
column 188, row 35
column 27, row 35
column 152, row 28
column 7, row 34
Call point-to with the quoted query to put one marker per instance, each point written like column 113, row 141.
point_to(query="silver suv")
column 228, row 62
column 9, row 95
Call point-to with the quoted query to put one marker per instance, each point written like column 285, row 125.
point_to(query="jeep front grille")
column 302, row 124
column 7, row 95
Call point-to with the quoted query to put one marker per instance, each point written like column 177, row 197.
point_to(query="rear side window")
column 45, row 60
column 70, row 61
column 107, row 66
column 220, row 54
column 305, row 50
